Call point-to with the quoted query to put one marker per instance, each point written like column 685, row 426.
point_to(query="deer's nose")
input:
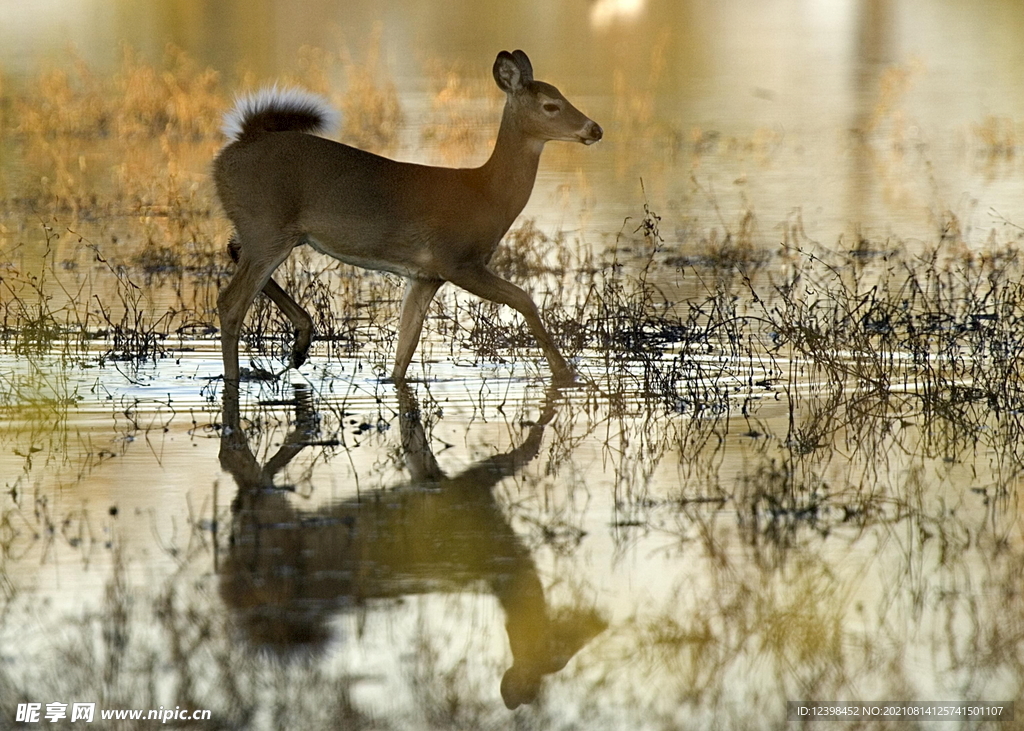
column 594, row 133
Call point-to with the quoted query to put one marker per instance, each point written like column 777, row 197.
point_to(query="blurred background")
column 790, row 272
column 881, row 115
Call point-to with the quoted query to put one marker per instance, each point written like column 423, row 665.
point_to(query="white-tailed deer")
column 282, row 186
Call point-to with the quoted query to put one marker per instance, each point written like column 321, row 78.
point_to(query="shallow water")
column 726, row 515
column 388, row 572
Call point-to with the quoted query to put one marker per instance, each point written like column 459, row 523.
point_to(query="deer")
column 282, row 185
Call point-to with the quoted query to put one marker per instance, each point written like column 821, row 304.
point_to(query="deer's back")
column 356, row 205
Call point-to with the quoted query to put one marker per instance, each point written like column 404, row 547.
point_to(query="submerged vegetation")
column 873, row 390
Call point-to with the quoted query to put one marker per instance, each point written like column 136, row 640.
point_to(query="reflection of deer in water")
column 287, row 570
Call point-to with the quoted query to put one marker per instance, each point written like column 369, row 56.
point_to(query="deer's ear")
column 525, row 67
column 508, row 73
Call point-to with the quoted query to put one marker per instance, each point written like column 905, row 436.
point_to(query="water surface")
column 791, row 472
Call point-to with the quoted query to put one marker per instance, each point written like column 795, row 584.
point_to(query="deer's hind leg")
column 293, row 311
column 300, row 319
column 258, row 254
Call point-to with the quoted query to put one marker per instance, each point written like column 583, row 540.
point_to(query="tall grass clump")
column 133, row 332
column 935, row 336
column 37, row 311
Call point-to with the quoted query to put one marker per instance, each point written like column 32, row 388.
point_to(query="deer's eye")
column 551, row 108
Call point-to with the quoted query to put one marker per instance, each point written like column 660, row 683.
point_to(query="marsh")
column 788, row 278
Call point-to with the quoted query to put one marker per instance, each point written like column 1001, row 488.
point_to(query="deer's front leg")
column 418, row 294
column 489, row 286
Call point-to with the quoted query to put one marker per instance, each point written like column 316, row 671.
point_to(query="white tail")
column 278, row 110
column 282, row 186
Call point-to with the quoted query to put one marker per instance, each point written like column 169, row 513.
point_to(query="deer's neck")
column 510, row 172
